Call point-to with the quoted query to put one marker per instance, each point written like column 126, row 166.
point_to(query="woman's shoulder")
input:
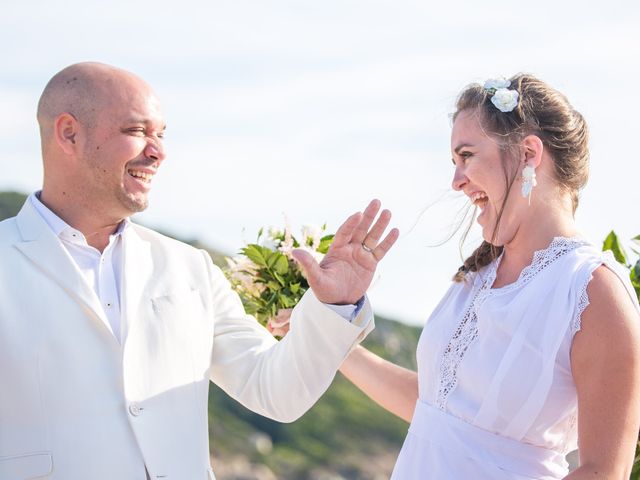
column 606, row 290
column 610, row 322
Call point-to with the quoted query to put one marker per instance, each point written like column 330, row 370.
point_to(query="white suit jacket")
column 77, row 405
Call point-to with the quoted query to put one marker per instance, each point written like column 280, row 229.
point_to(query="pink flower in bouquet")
column 279, row 325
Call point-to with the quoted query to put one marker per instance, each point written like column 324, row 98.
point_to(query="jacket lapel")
column 137, row 272
column 46, row 252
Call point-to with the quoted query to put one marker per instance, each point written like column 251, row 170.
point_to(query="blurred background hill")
column 344, row 436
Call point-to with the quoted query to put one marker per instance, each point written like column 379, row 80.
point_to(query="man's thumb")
column 310, row 267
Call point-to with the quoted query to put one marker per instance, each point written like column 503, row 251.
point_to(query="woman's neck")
column 531, row 237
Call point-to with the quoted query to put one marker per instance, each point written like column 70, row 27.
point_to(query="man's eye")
column 136, row 130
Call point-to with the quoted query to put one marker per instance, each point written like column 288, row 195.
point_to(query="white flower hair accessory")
column 496, row 83
column 504, row 99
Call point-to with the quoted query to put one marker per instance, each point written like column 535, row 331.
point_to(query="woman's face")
column 480, row 174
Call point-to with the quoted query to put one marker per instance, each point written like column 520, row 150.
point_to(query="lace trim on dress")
column 558, row 247
column 583, row 302
column 467, row 330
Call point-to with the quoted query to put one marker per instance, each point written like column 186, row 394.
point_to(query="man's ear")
column 65, row 130
column 533, row 148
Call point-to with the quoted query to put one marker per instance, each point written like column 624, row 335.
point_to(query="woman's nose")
column 459, row 180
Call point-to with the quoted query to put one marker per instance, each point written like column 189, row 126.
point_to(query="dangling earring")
column 528, row 181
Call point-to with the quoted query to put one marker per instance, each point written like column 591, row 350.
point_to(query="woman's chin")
column 487, row 228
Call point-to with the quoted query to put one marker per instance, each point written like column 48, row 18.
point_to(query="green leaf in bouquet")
column 613, row 243
column 272, row 299
column 285, row 301
column 635, row 274
column 273, row 286
column 325, row 243
column 295, row 287
column 255, row 253
column 279, row 279
column 260, row 232
column 636, row 239
column 272, row 257
column 275, row 262
column 282, row 264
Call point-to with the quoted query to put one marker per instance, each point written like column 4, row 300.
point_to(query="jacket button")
column 135, row 409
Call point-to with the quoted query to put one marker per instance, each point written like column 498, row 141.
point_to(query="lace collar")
column 558, row 247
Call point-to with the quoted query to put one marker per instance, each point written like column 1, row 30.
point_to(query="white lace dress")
column 496, row 395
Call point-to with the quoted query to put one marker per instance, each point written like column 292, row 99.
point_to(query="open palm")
column 346, row 271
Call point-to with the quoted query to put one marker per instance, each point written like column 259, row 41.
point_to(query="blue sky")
column 312, row 108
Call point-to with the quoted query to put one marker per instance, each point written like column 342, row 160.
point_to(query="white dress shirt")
column 102, row 271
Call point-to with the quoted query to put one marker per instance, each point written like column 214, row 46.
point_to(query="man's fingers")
column 309, row 266
column 368, row 216
column 373, row 236
column 381, row 250
column 345, row 232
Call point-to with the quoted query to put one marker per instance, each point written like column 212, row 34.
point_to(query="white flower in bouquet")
column 273, row 239
column 276, row 233
column 311, row 236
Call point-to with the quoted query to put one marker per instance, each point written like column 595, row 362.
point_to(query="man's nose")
column 155, row 150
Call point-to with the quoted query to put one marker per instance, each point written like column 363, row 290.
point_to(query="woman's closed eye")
column 466, row 155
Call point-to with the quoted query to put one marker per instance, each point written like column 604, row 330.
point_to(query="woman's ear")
column 533, row 148
column 65, row 130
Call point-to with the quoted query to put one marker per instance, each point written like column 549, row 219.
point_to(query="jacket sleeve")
column 280, row 380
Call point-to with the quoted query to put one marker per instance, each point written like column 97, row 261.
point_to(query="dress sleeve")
column 607, row 259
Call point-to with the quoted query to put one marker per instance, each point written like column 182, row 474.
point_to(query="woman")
column 535, row 347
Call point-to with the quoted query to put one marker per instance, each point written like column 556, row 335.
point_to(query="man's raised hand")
column 346, row 271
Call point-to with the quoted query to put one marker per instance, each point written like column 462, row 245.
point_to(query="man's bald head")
column 102, row 129
column 81, row 90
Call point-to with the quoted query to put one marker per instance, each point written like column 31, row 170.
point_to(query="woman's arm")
column 393, row 387
column 605, row 361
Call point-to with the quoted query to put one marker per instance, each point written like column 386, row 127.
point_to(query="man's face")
column 123, row 150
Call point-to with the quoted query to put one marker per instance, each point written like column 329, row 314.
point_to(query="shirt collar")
column 61, row 228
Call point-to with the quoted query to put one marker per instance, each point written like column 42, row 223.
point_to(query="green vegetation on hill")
column 10, row 204
column 344, row 434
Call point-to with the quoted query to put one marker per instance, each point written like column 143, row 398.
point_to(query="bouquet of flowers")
column 267, row 278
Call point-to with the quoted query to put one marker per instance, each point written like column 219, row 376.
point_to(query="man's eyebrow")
column 461, row 146
column 145, row 122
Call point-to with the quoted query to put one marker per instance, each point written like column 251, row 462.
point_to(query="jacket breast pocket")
column 176, row 337
column 26, row 466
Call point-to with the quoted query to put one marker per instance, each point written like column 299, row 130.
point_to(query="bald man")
column 110, row 332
